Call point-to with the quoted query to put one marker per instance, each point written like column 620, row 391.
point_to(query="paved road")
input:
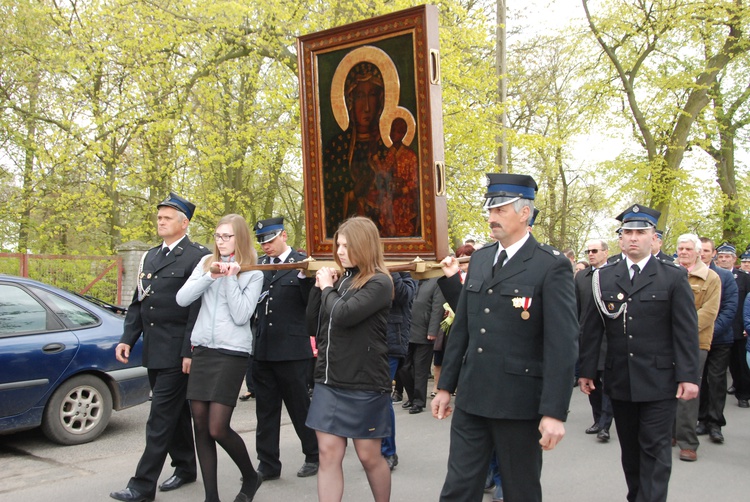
column 579, row 469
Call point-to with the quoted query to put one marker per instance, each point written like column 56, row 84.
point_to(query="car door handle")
column 53, row 348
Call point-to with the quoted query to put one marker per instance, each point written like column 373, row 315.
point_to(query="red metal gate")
column 99, row 276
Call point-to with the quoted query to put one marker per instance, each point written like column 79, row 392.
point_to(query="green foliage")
column 108, row 105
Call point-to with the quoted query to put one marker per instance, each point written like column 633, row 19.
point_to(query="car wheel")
column 78, row 411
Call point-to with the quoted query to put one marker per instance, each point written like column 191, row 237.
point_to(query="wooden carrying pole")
column 419, row 269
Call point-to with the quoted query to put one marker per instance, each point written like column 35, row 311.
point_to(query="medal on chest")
column 523, row 303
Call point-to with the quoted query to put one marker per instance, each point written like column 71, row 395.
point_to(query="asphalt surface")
column 579, row 469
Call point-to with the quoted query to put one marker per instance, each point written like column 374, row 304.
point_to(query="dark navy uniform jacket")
column 653, row 344
column 166, row 327
column 280, row 330
column 514, row 341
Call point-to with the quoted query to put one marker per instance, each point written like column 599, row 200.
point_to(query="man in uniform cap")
column 621, row 255
column 533, row 219
column 726, row 258
column 745, row 260
column 656, row 247
column 512, row 352
column 713, row 392
column 283, row 353
column 645, row 307
column 166, row 328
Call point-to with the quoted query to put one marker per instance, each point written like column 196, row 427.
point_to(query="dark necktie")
column 276, row 260
column 635, row 268
column 499, row 262
column 160, row 256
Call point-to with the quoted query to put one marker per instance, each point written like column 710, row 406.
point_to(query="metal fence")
column 98, row 276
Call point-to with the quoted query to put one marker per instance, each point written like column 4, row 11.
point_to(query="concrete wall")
column 131, row 253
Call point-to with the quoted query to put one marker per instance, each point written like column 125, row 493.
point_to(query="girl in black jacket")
column 348, row 313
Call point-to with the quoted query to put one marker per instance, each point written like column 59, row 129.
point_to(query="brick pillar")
column 131, row 253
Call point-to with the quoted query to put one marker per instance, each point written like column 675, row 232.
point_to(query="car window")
column 71, row 314
column 22, row 313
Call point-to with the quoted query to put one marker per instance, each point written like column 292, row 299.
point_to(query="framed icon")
column 372, row 133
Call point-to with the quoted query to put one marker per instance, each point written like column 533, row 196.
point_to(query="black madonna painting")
column 372, row 132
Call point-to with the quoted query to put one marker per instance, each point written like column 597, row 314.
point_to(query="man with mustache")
column 512, row 352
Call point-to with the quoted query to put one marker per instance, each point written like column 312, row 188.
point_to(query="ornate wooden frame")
column 404, row 47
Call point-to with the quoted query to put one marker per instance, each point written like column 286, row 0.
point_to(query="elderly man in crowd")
column 706, row 287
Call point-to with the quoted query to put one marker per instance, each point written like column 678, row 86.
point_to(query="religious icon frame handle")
column 439, row 178
column 434, row 67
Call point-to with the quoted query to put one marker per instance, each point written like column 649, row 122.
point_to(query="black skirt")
column 356, row 414
column 216, row 376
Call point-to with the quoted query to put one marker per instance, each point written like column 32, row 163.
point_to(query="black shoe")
column 743, row 403
column 731, row 390
column 407, row 404
column 174, row 482
column 593, row 429
column 715, row 434
column 245, row 497
column 267, row 476
column 416, row 409
column 129, row 495
column 247, row 396
column 396, row 397
column 603, row 435
column 701, row 429
column 392, row 461
column 308, row 469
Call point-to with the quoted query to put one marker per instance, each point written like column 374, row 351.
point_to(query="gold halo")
column 391, row 91
column 387, row 118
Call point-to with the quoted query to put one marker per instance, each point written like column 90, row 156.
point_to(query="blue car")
column 57, row 362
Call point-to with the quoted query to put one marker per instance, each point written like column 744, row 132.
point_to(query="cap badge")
column 636, row 209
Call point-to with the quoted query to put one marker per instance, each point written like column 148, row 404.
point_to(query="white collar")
column 641, row 264
column 283, row 256
column 512, row 249
column 173, row 245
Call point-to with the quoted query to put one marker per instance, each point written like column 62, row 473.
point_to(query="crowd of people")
column 508, row 332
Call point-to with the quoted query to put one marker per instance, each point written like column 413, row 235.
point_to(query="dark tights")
column 211, row 424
